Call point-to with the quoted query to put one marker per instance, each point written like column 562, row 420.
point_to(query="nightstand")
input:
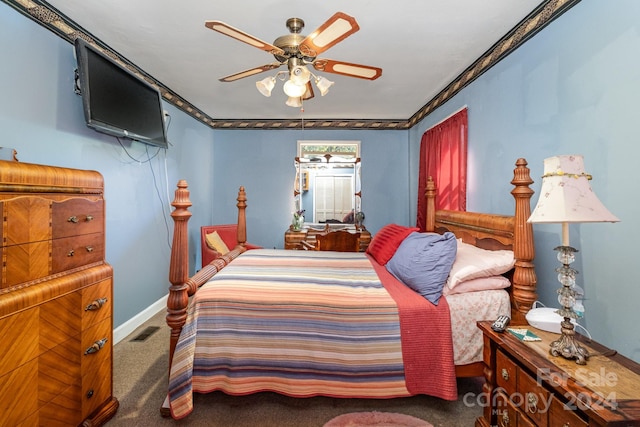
column 526, row 386
column 293, row 239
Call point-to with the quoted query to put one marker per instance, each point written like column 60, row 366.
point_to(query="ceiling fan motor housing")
column 295, row 25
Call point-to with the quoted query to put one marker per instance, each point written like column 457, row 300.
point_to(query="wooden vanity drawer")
column 77, row 216
column 73, row 252
column 506, row 373
column 96, row 303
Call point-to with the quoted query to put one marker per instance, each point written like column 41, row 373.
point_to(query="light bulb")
column 294, row 90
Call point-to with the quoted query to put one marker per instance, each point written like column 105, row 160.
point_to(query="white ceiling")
column 421, row 45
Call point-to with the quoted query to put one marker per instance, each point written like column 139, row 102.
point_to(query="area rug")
column 376, row 419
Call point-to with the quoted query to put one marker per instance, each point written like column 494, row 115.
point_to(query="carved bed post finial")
column 242, row 218
column 524, row 276
column 179, row 267
column 430, row 195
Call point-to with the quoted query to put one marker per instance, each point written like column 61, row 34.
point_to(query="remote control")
column 500, row 323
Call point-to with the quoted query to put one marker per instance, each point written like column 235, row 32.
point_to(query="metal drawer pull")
column 532, row 403
column 89, row 218
column 96, row 346
column 96, row 305
column 71, row 253
column 505, row 374
column 89, row 248
column 505, row 419
column 73, row 219
column 566, row 425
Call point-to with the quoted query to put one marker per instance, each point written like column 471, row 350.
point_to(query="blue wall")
column 262, row 161
column 571, row 89
column 41, row 117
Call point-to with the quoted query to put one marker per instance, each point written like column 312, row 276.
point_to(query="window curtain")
column 443, row 156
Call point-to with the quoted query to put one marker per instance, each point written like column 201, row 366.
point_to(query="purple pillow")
column 423, row 262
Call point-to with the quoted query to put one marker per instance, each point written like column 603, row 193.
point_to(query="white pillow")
column 479, row 284
column 473, row 262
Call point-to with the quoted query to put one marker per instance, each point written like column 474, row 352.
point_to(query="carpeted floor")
column 140, row 376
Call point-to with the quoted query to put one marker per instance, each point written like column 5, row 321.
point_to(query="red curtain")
column 443, row 156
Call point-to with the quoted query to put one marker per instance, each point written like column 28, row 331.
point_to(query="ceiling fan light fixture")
column 266, row 85
column 300, row 75
column 323, row 85
column 294, row 90
column 294, row 101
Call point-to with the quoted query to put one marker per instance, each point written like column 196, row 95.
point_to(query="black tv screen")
column 115, row 101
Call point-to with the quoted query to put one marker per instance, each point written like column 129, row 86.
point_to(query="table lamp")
column 565, row 197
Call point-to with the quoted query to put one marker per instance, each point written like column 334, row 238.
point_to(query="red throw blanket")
column 428, row 357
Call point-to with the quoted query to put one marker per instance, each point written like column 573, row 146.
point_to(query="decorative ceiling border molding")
column 50, row 18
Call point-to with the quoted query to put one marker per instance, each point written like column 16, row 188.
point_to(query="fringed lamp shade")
column 565, row 197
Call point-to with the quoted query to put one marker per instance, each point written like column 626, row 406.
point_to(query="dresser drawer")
column 96, row 303
column 77, row 216
column 535, row 398
column 73, row 252
column 508, row 415
column 96, row 366
column 506, row 373
column 562, row 416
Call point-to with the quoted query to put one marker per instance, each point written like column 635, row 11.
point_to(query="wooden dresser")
column 55, row 298
column 526, row 386
column 293, row 239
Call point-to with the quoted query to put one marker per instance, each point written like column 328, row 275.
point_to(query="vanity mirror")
column 327, row 181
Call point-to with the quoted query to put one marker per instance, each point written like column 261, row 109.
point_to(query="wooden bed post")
column 242, row 217
column 182, row 286
column 524, row 276
column 179, row 267
column 430, row 194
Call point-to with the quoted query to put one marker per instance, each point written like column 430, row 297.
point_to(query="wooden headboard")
column 493, row 232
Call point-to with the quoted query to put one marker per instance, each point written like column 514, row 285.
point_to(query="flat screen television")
column 117, row 102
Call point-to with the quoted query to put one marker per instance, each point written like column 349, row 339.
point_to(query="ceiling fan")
column 297, row 51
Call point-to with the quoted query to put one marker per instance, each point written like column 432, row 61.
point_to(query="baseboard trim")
column 122, row 331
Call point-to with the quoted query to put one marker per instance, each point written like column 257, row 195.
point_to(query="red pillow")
column 386, row 241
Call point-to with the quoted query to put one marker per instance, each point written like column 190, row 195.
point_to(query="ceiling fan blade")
column 309, row 92
column 250, row 72
column 347, row 69
column 230, row 31
column 334, row 30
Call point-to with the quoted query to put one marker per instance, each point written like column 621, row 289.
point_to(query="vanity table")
column 293, row 238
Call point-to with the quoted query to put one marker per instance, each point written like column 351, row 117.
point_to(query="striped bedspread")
column 303, row 323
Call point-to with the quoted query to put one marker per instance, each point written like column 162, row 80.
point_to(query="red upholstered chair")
column 228, row 234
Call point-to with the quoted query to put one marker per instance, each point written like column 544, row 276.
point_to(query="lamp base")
column 566, row 346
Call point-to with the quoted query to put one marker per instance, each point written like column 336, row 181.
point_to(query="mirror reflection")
column 327, row 182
